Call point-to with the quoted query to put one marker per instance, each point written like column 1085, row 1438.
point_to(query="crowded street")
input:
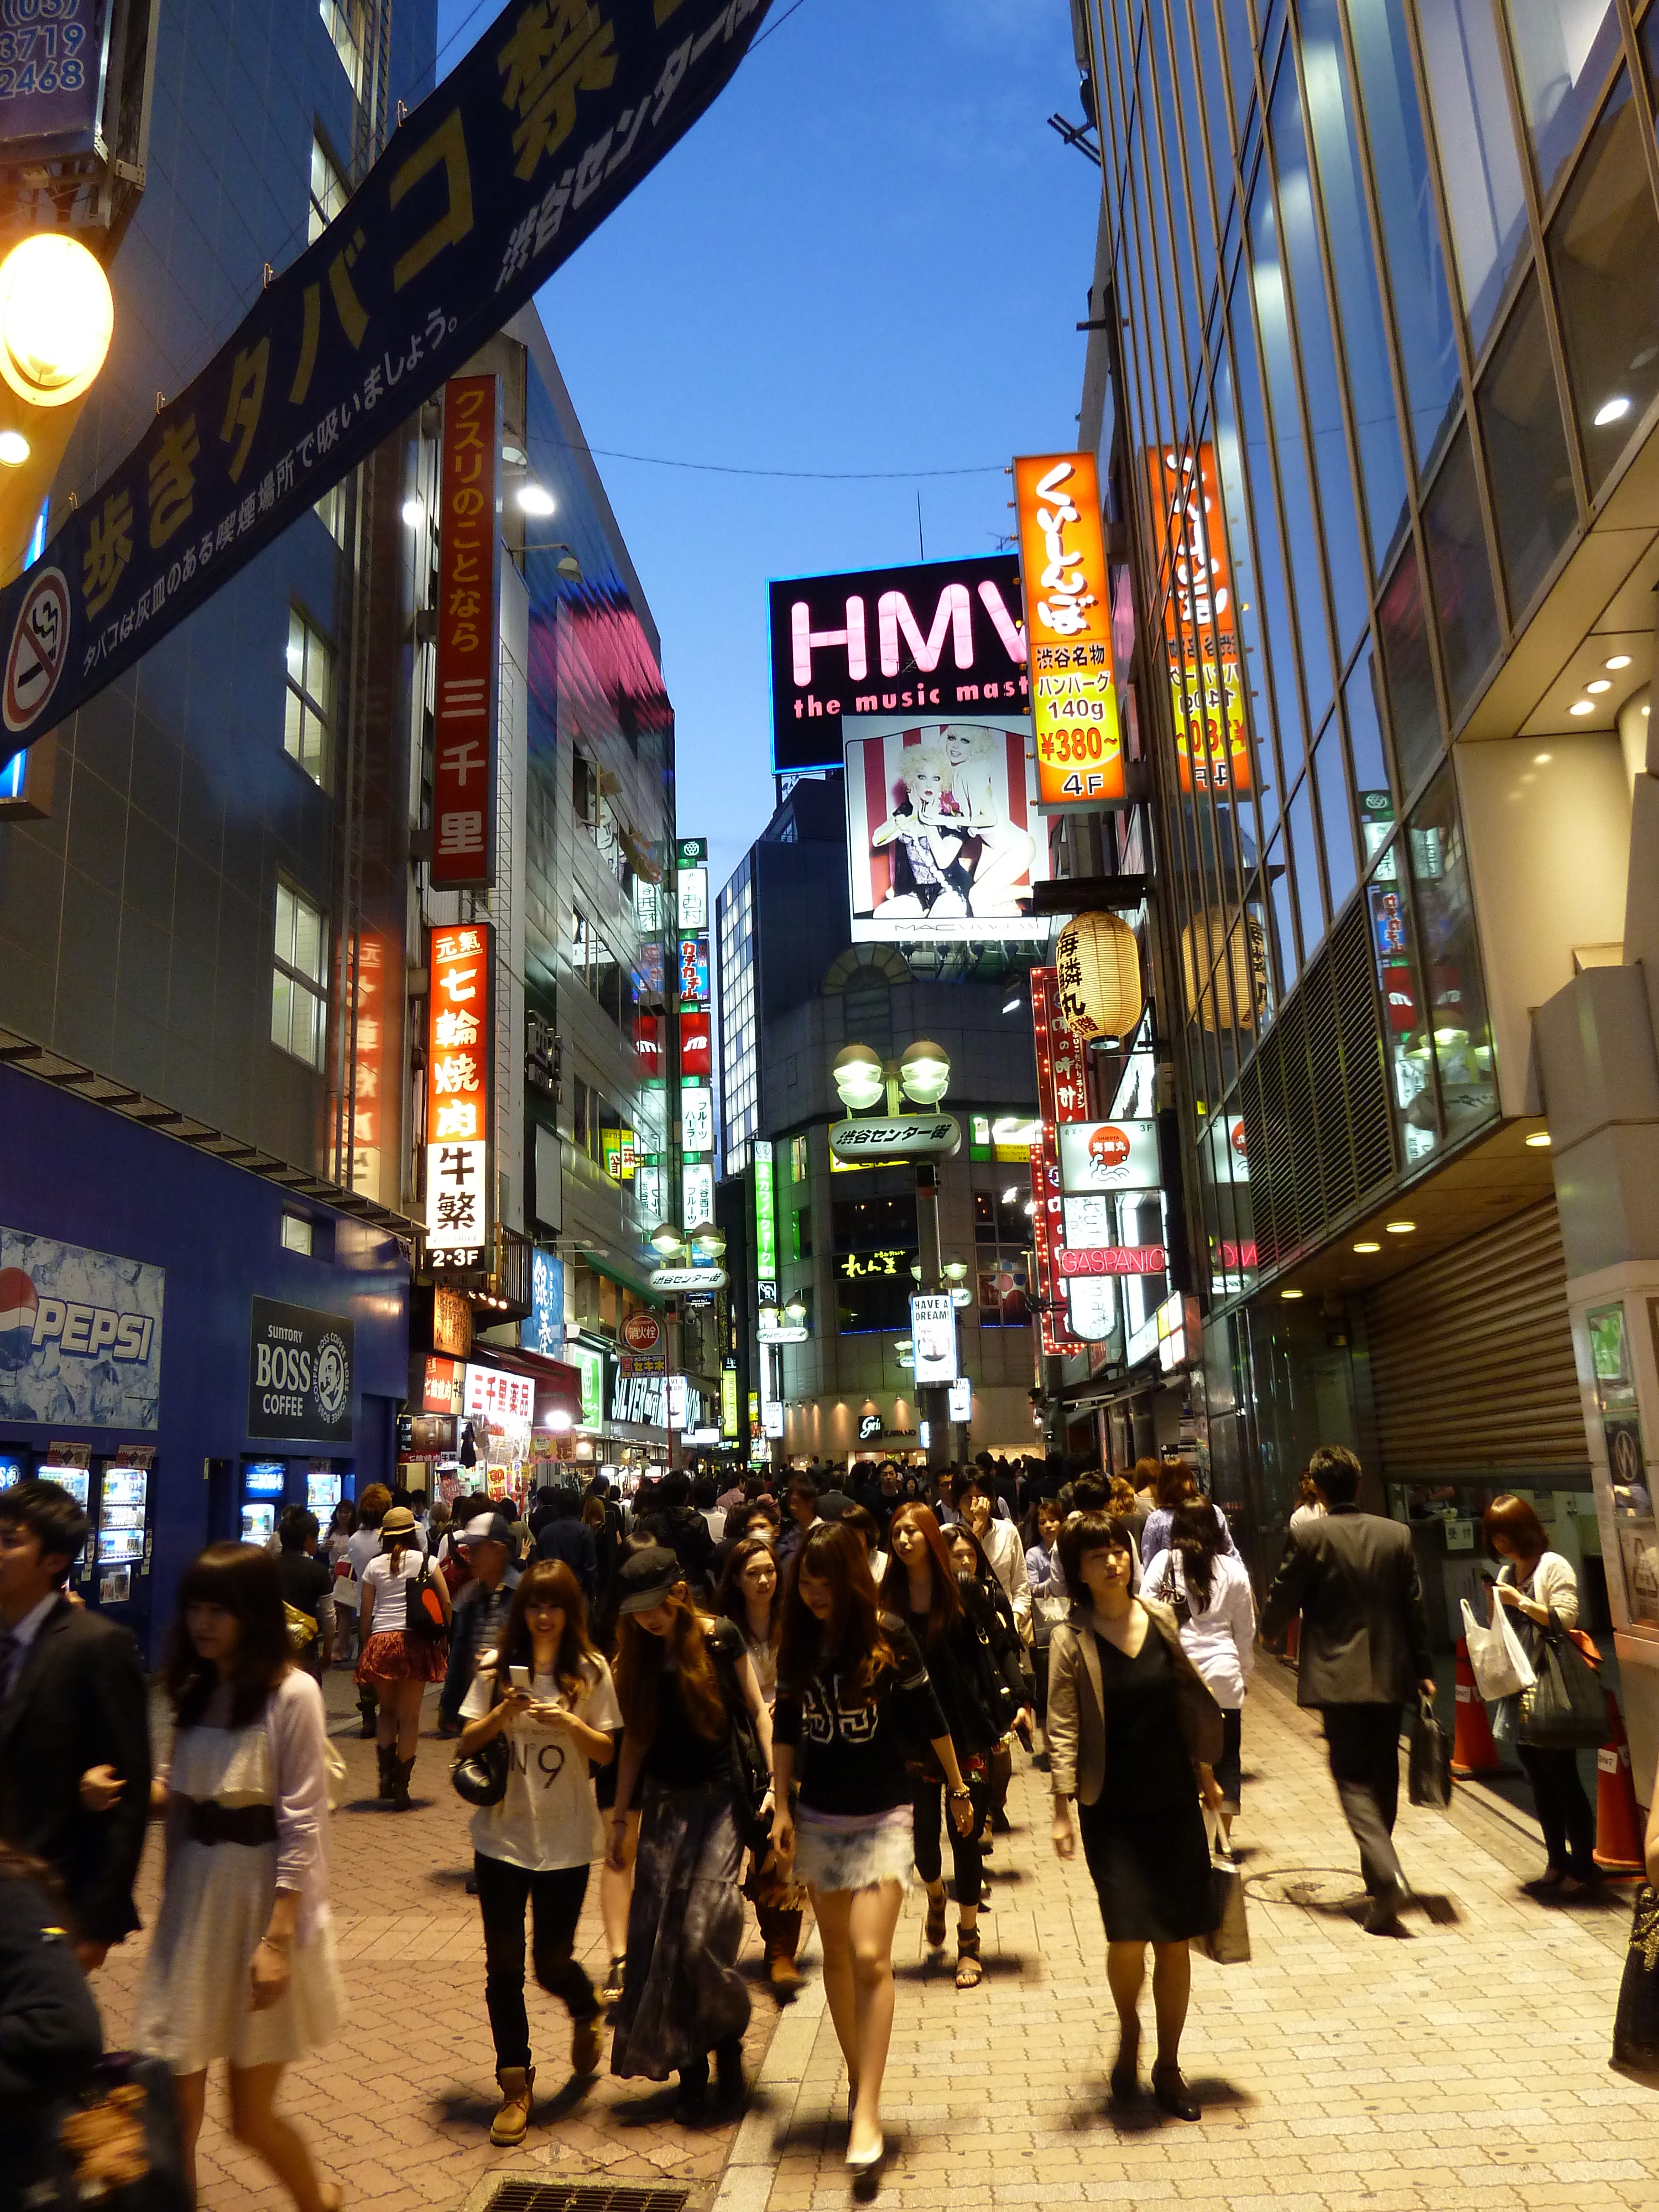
column 1465, row 2065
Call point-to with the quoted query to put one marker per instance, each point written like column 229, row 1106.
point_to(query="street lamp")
column 57, row 317
column 925, row 1071
column 859, row 1078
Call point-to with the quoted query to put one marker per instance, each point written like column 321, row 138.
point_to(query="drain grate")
column 586, row 2196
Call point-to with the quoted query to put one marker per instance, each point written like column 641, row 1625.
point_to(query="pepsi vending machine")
column 121, row 1493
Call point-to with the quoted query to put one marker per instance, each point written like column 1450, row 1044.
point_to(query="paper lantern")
column 1204, row 941
column 1097, row 976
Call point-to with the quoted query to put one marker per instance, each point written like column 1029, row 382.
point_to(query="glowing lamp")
column 925, row 1071
column 56, row 318
column 666, row 1238
column 857, row 1077
column 1097, row 973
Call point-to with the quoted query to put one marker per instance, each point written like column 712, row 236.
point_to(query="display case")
column 323, row 1488
column 263, row 1481
column 1614, row 1368
column 122, row 1507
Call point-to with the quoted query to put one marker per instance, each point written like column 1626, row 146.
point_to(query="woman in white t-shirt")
column 397, row 1664
column 550, row 1692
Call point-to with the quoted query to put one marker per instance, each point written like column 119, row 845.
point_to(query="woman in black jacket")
column 49, row 2029
column 956, row 1625
column 969, row 1557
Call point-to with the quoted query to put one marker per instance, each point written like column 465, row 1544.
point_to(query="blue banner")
column 489, row 185
column 50, row 75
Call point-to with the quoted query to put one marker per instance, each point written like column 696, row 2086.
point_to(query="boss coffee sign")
column 299, row 1373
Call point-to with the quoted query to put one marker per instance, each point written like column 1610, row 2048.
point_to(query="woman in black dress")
column 1132, row 1734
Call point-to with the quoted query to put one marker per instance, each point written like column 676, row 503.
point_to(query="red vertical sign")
column 469, row 577
column 1062, row 1095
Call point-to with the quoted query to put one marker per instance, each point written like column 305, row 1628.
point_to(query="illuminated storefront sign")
column 1213, row 747
column 693, row 898
column 1108, row 1156
column 619, row 1159
column 490, row 1394
column 1055, row 1045
column 694, row 970
column 1080, row 742
column 469, row 566
column 460, row 1056
column 697, row 1121
column 766, row 1218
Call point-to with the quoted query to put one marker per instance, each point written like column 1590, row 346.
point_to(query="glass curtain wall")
column 1387, row 278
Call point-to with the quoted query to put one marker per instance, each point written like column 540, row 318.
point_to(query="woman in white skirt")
column 241, row 1966
column 852, row 1686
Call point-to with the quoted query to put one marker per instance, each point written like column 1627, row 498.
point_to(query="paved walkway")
column 1462, row 2066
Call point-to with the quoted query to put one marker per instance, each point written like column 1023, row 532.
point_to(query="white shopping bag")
column 1500, row 1667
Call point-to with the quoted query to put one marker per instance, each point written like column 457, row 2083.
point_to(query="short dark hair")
column 1512, row 1516
column 674, row 1489
column 1090, row 1531
column 46, row 1510
column 297, row 1528
column 804, row 1484
column 1336, row 1471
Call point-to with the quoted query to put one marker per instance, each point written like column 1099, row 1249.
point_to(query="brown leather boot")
column 401, row 1770
column 783, row 1941
column 386, row 1756
column 511, row 2124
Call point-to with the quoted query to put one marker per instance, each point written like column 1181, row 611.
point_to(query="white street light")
column 665, row 1238
column 858, row 1076
column 925, row 1071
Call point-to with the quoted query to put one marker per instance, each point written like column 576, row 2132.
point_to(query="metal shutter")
column 1471, row 1355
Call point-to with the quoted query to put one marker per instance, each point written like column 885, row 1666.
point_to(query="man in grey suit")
column 1352, row 1577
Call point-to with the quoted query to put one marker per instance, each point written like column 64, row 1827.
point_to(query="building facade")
column 1377, row 358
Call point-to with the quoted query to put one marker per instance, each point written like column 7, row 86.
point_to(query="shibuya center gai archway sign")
column 545, row 127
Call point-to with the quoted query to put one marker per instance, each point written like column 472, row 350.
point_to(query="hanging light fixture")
column 1097, row 973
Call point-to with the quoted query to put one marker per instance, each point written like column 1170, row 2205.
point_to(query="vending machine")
column 115, row 1569
column 324, row 1489
column 16, row 1466
column 262, row 1483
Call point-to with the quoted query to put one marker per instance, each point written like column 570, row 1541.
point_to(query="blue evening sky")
column 870, row 254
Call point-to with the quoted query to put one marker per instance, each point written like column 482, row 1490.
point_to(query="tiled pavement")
column 1463, row 2067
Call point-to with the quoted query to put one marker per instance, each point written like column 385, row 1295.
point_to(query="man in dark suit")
column 1352, row 1577
column 72, row 1697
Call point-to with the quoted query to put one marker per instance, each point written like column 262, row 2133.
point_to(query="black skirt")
column 1151, row 1872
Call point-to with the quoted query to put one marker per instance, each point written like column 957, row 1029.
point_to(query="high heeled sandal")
column 969, row 1972
column 933, row 1933
column 1171, row 2089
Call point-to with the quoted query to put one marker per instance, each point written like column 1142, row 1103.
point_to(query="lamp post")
column 697, row 1251
column 57, row 317
column 922, row 1073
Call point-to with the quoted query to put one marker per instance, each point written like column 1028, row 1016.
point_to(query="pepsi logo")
column 18, row 1308
column 27, row 1321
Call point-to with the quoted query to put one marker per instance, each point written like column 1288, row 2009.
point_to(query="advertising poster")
column 944, row 838
column 1213, row 746
column 80, row 1335
column 300, row 1374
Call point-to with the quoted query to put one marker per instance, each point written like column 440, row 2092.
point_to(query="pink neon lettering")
column 804, row 637
column 1011, row 633
column 954, row 612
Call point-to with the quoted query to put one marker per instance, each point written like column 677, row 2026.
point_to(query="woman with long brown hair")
column 750, row 1596
column 551, row 1694
column 852, row 1688
column 682, row 1680
column 241, row 1966
column 953, row 1622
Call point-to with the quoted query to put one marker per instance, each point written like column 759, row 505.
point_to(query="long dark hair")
column 641, row 1659
column 244, row 1581
column 729, row 1598
column 548, row 1581
column 1195, row 1534
column 850, row 1643
column 945, row 1607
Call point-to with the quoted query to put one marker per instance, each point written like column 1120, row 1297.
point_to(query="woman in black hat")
column 683, row 1678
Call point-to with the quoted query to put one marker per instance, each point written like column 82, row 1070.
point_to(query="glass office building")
column 1378, row 296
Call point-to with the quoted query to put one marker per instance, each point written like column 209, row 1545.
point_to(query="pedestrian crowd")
column 717, row 1696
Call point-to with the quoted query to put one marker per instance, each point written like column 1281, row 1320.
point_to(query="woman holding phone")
column 551, row 1694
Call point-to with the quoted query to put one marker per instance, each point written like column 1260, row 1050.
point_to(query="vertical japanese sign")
column 1065, row 1073
column 367, row 1066
column 469, row 659
column 1068, row 627
column 460, row 1056
column 1213, row 747
column 766, row 1213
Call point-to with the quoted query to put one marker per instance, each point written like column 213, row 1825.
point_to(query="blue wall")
column 72, row 1169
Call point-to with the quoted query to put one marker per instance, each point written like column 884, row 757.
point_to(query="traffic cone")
column 1617, row 1823
column 1473, row 1750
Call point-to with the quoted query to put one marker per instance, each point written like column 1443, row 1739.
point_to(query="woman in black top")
column 681, row 1678
column 956, row 1627
column 969, row 1557
column 852, row 1686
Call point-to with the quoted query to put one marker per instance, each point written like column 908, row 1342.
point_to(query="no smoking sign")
column 39, row 646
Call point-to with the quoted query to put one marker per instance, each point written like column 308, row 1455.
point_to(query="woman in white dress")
column 241, row 1966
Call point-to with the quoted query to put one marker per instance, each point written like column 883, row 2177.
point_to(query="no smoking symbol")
column 39, row 646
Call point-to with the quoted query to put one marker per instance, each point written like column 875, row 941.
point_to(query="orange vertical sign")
column 469, row 575
column 1068, row 630
column 1213, row 746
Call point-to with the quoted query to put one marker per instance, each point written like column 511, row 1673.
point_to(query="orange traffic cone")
column 1617, row 1823
column 1473, row 1750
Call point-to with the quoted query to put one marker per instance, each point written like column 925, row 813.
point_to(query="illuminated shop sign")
column 469, row 566
column 459, row 1055
column 1213, row 746
column 1080, row 743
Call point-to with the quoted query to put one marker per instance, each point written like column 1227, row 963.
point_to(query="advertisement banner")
column 543, row 1329
column 51, row 65
column 459, row 1057
column 298, row 1375
column 1108, row 1156
column 468, row 654
column 80, row 1335
column 766, row 1216
column 934, row 1336
column 1213, row 746
column 485, row 189
column 946, row 636
column 943, row 840
column 1080, row 741
column 1062, row 1057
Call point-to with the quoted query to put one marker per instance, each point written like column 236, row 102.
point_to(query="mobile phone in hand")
column 520, row 1678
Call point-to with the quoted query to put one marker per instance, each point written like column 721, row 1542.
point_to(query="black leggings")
column 1040, row 1682
column 927, row 1809
column 1564, row 1810
column 556, row 1902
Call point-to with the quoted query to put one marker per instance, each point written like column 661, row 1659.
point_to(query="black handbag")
column 751, row 1779
column 1635, row 2024
column 1566, row 1708
column 1428, row 1771
column 480, row 1776
column 1168, row 1595
column 115, row 2144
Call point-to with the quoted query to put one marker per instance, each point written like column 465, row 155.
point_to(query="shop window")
column 1527, row 460
column 1004, row 1288
column 298, row 999
column 999, row 1215
column 1458, row 1022
column 310, row 696
column 1486, row 196
column 1464, row 603
column 330, row 512
column 876, row 1247
column 1408, row 673
column 328, row 190
column 1404, row 1027
column 1563, row 52
column 1405, row 197
column 801, row 1159
column 584, row 788
column 1604, row 253
column 296, row 1233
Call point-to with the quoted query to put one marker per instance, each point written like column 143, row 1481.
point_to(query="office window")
column 328, row 190
column 296, row 1233
column 1408, row 673
column 299, row 998
column 310, row 696
column 1527, row 456
column 1464, row 598
column 347, row 24
column 1486, row 196
column 330, row 512
column 801, row 1165
column 1563, row 52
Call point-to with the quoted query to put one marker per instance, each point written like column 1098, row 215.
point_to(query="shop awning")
column 558, row 1387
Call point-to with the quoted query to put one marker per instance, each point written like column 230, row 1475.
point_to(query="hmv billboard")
column 944, row 636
